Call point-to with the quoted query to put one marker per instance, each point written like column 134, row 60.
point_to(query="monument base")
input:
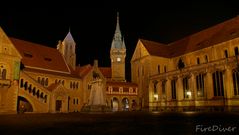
column 96, row 108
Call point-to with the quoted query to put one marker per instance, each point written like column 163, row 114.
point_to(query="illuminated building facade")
column 40, row 79
column 198, row 72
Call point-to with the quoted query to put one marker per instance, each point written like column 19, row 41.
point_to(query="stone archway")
column 23, row 105
column 115, row 104
column 125, row 104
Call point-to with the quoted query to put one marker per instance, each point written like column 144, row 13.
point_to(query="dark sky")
column 93, row 26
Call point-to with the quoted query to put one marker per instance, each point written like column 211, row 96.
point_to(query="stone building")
column 37, row 78
column 198, row 72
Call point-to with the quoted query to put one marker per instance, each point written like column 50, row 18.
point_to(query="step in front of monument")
column 96, row 108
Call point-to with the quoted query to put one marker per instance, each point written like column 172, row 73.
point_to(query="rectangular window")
column 218, row 85
column 226, row 54
column 159, row 69
column 200, row 85
column 165, row 69
column 173, row 88
column 186, row 91
column 235, row 76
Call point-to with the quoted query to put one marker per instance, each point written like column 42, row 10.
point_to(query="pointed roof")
column 118, row 42
column 69, row 37
column 117, row 30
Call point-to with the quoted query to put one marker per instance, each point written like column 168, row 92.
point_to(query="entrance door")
column 125, row 104
column 58, row 105
column 115, row 104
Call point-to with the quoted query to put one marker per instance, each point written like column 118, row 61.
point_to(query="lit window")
column 200, row 85
column 118, row 59
column 187, row 92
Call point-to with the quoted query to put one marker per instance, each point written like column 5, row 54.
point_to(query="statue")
column 96, row 91
column 97, row 99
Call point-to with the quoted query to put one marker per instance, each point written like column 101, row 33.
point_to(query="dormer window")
column 47, row 59
column 27, row 54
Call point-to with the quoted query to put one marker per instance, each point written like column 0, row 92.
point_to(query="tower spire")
column 117, row 25
column 117, row 42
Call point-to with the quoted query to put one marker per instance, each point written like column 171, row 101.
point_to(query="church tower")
column 117, row 55
column 67, row 49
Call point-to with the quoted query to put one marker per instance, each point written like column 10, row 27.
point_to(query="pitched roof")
column 40, row 57
column 216, row 34
column 83, row 70
column 106, row 71
column 155, row 48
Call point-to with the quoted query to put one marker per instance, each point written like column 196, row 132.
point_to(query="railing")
column 122, row 92
column 33, row 88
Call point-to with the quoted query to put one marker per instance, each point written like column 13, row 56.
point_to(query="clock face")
column 118, row 59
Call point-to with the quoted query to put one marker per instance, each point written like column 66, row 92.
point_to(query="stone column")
column 179, row 90
column 209, row 86
column 159, row 88
column 228, row 91
column 168, row 90
column 193, row 86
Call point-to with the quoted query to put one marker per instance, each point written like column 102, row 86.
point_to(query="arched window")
column 42, row 81
column 25, row 85
column 165, row 69
column 45, row 98
column 159, row 69
column 38, row 94
column 225, row 53
column 206, row 59
column 77, row 85
column 56, row 81
column 63, row 82
column 236, row 51
column 198, row 60
column 73, row 85
column 4, row 74
column 46, row 82
column 39, row 80
column 21, row 83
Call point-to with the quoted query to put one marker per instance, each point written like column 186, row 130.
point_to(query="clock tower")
column 117, row 55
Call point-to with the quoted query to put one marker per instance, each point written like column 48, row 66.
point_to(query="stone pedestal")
column 96, row 108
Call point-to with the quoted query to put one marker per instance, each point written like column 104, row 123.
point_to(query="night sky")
column 93, row 26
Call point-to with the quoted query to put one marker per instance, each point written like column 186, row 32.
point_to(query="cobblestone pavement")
column 120, row 123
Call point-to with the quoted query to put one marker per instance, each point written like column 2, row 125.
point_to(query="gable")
column 6, row 46
column 140, row 51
